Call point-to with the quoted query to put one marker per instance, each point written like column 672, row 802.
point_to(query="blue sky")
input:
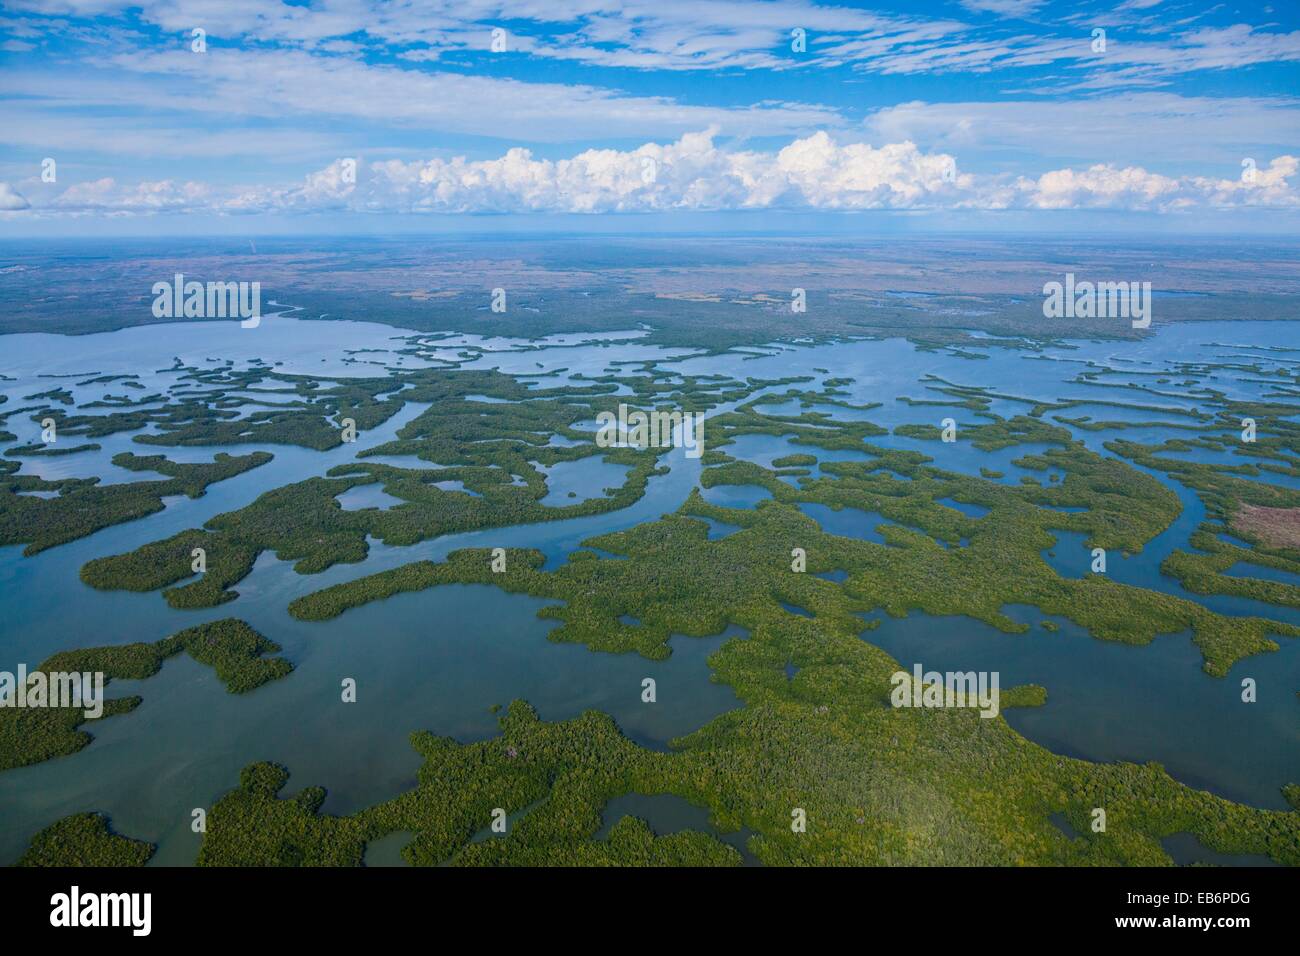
column 667, row 114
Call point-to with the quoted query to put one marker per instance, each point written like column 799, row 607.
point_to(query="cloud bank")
column 690, row 174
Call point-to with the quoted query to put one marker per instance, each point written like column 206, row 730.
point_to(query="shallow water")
column 1109, row 701
column 667, row 813
column 847, row 522
column 436, row 660
column 439, row 659
column 572, row 482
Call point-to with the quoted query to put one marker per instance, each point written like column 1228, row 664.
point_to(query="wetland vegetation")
column 951, row 534
column 230, row 647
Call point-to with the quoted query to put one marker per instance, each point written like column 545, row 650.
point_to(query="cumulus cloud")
column 1100, row 186
column 11, row 200
column 693, row 173
column 108, row 196
column 1268, row 186
column 1106, row 186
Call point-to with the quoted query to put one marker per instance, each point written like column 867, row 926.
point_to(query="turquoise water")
column 439, row 659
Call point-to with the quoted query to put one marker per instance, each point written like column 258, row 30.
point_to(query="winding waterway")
column 440, row 659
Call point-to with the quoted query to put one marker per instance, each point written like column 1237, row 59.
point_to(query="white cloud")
column 1151, row 127
column 1269, row 186
column 11, row 200
column 1126, row 60
column 1100, row 186
column 1134, row 188
column 712, row 35
column 1006, row 8
column 272, row 84
column 692, row 174
column 108, row 196
column 642, row 34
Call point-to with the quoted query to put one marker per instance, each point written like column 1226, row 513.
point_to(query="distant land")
column 715, row 292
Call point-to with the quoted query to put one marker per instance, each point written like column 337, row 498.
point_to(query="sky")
column 168, row 117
